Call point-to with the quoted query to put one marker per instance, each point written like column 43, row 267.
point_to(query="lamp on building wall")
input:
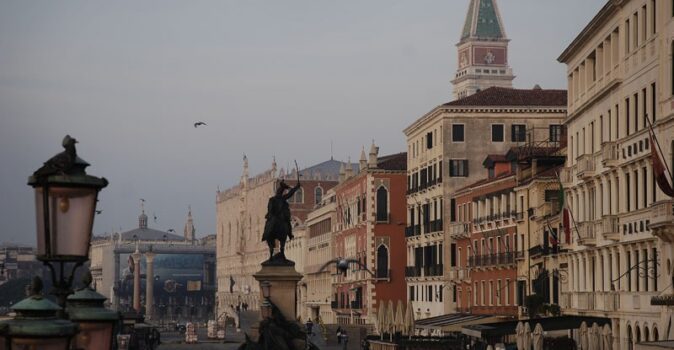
column 65, row 203
column 36, row 325
column 97, row 324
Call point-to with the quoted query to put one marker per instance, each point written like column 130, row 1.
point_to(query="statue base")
column 278, row 259
column 283, row 290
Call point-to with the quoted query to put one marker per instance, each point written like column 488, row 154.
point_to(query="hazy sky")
column 129, row 78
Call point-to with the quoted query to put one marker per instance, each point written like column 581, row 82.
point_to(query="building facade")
column 370, row 227
column 446, row 149
column 317, row 284
column 161, row 274
column 620, row 81
column 483, row 243
column 240, row 220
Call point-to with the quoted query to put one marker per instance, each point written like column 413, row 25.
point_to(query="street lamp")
column 36, row 325
column 265, row 287
column 65, row 203
column 97, row 324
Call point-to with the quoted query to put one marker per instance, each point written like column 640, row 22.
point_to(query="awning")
column 496, row 329
column 453, row 322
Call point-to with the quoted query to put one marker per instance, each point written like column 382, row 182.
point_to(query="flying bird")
column 99, row 211
column 155, row 217
column 62, row 162
column 197, row 124
column 171, row 230
column 342, row 265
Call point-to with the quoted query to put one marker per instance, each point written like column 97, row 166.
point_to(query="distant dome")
column 537, row 87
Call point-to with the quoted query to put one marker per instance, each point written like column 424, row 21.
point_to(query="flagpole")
column 657, row 143
column 573, row 220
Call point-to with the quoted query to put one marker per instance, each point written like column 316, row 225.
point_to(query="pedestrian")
column 310, row 327
column 339, row 334
column 345, row 339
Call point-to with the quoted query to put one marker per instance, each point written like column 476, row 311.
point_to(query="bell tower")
column 483, row 51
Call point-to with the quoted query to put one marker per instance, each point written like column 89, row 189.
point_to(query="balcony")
column 519, row 216
column 412, row 271
column 662, row 220
column 334, row 304
column 586, row 233
column 545, row 210
column 409, row 231
column 608, row 227
column 433, row 270
column 459, row 230
column 565, row 176
column 494, row 260
column 382, row 274
column 585, row 166
column 435, row 226
column 610, row 154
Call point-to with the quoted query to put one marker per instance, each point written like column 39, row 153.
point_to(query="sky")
column 288, row 78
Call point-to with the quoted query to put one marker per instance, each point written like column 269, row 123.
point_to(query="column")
column 136, row 280
column 115, row 280
column 149, row 285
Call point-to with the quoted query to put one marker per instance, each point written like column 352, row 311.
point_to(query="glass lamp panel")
column 40, row 343
column 94, row 336
column 71, row 218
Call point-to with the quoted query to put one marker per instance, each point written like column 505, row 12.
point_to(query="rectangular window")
column 654, row 17
column 452, row 210
column 627, row 116
column 452, row 260
column 628, row 190
column 636, row 112
column 429, row 140
column 628, row 30
column 458, row 167
column 653, row 102
column 457, row 132
column 497, row 133
column 518, row 133
column 555, row 133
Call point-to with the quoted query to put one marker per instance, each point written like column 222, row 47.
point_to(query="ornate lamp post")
column 36, row 325
column 97, row 324
column 265, row 287
column 65, row 203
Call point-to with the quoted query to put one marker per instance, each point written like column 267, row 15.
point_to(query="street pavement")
column 176, row 341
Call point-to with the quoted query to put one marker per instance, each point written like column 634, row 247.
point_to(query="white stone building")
column 620, row 80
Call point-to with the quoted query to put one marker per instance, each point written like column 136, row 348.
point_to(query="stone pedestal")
column 283, row 291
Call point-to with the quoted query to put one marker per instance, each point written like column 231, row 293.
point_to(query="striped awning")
column 453, row 322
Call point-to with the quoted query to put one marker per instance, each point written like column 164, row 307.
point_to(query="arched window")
column 655, row 334
column 382, row 262
column 382, row 204
column 637, row 334
column 318, row 195
column 646, row 333
column 671, row 65
column 298, row 197
column 630, row 341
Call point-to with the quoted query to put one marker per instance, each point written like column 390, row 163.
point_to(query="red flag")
column 659, row 169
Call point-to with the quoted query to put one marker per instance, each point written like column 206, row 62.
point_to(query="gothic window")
column 298, row 197
column 318, row 195
column 382, row 262
column 382, row 204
